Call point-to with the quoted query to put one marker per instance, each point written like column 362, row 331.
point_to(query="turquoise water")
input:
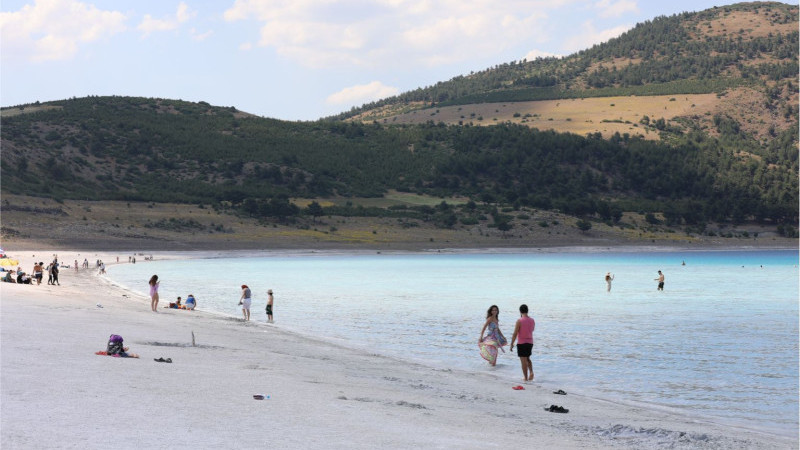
column 720, row 341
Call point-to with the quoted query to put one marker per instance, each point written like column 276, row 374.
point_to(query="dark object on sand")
column 559, row 392
column 556, row 409
column 168, row 360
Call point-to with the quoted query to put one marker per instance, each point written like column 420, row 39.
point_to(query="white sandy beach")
column 56, row 393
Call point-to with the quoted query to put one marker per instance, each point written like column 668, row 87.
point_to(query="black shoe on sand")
column 559, row 392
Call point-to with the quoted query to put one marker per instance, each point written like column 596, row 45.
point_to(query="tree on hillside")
column 314, row 210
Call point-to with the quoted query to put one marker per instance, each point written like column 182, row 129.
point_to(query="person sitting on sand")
column 9, row 278
column 23, row 278
column 175, row 305
column 115, row 348
column 191, row 303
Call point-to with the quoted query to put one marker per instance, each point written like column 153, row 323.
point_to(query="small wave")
column 655, row 437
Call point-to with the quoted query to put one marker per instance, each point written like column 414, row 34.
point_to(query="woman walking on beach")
column 494, row 338
column 245, row 301
column 609, row 279
column 154, row 283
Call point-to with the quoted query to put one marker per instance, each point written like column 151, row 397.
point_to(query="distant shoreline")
column 111, row 246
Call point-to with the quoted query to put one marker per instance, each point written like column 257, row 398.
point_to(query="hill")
column 738, row 61
column 687, row 149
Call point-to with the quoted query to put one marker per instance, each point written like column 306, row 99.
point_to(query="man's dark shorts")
column 269, row 310
column 524, row 350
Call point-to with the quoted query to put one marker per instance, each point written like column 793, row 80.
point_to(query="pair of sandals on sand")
column 551, row 408
column 556, row 408
column 168, row 360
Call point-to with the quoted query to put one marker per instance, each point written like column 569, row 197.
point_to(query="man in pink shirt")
column 524, row 329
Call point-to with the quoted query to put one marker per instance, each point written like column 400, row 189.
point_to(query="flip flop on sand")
column 518, row 388
column 559, row 392
column 168, row 360
column 258, row 397
column 556, row 409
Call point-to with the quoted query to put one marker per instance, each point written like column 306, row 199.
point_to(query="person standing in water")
column 154, row 283
column 245, row 300
column 269, row 305
column 494, row 337
column 524, row 330
column 609, row 279
column 660, row 280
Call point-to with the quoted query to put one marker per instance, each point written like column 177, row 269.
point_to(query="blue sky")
column 288, row 59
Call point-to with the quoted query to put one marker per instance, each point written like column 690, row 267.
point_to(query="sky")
column 288, row 59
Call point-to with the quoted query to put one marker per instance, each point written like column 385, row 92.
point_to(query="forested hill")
column 141, row 149
column 747, row 52
column 733, row 157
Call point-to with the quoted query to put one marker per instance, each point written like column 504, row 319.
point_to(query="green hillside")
column 158, row 150
column 704, row 168
column 746, row 44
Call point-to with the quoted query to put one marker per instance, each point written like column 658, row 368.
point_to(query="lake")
column 720, row 341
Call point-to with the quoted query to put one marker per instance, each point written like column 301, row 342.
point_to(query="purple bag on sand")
column 114, row 345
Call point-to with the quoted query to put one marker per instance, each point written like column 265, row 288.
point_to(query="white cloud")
column 55, row 29
column 609, row 8
column 533, row 54
column 323, row 33
column 590, row 36
column 200, row 36
column 151, row 25
column 364, row 93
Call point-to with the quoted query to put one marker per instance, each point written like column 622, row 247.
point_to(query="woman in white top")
column 245, row 301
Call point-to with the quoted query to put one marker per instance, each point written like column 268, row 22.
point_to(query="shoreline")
column 323, row 395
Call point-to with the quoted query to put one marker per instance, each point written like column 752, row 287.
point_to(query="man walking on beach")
column 660, row 280
column 524, row 330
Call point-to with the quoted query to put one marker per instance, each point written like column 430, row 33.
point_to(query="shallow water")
column 720, row 341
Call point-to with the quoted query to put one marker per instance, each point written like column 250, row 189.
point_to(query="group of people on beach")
column 494, row 339
column 36, row 275
column 190, row 305
column 245, row 300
